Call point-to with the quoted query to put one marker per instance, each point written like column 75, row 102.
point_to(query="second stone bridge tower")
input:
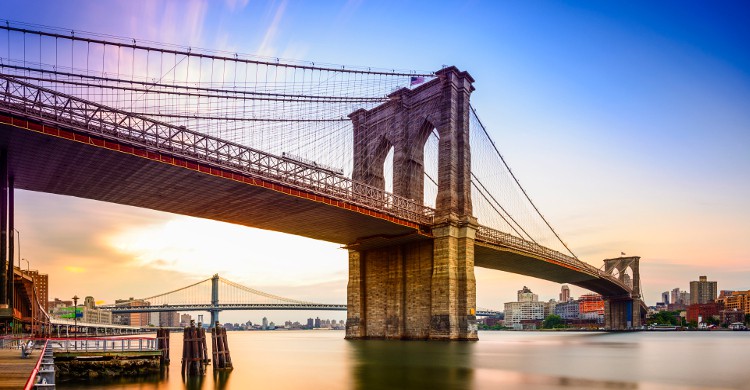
column 417, row 289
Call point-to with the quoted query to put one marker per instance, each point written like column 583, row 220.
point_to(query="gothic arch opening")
column 388, row 170
column 431, row 156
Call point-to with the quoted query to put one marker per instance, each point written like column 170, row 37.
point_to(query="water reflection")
column 411, row 365
column 221, row 379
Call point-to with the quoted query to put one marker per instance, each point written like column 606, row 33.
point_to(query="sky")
column 626, row 122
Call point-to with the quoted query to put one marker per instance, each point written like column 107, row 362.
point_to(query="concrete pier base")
column 423, row 290
column 622, row 314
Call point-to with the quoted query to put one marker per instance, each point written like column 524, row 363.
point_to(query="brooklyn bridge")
column 396, row 166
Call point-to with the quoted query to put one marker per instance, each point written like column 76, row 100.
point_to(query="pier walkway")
column 15, row 370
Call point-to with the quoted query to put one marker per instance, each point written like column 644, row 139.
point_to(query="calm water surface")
column 323, row 360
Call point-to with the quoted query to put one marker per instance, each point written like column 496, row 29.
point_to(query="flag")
column 416, row 80
column 622, row 253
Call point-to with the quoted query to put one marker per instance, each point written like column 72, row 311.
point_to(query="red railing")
column 32, row 378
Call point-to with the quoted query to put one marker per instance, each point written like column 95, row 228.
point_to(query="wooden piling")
column 162, row 337
column 220, row 348
column 194, row 354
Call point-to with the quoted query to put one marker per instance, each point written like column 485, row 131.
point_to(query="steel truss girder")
column 92, row 118
column 496, row 237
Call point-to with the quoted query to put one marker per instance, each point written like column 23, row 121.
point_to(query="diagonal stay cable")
column 474, row 111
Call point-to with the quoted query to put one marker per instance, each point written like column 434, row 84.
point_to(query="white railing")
column 104, row 344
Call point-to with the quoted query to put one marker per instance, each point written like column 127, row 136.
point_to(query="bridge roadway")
column 63, row 145
column 241, row 306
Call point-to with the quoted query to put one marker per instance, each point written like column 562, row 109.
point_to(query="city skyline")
column 629, row 130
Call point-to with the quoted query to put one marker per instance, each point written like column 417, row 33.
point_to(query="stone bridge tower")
column 624, row 312
column 417, row 289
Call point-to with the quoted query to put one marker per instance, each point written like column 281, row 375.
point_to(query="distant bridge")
column 217, row 294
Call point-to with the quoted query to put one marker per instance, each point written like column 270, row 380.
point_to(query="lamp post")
column 75, row 321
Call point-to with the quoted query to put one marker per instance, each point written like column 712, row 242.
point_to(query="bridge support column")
column 622, row 314
column 214, row 318
column 421, row 290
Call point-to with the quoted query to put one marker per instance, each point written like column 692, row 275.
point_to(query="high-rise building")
column 675, row 296
column 265, row 324
column 702, row 291
column 317, row 322
column 684, row 298
column 564, row 293
column 41, row 284
column 665, row 297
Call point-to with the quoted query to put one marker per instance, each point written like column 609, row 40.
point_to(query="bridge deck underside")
column 45, row 163
column 504, row 259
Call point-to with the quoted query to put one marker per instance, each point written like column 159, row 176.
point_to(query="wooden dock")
column 14, row 371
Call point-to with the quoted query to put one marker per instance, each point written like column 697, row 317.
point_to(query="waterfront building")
column 265, row 324
column 132, row 319
column 736, row 300
column 527, row 310
column 731, row 316
column 568, row 310
column 317, row 322
column 702, row 291
column 564, row 293
column 310, row 323
column 56, row 304
column 185, row 320
column 701, row 312
column 90, row 313
column 549, row 308
column 591, row 308
column 169, row 318
column 665, row 298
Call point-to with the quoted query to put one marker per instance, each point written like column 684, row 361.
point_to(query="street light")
column 28, row 266
column 75, row 321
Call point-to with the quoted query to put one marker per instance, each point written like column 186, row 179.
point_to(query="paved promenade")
column 14, row 371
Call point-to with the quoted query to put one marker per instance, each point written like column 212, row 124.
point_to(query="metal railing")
column 104, row 344
column 55, row 108
column 32, row 377
column 496, row 237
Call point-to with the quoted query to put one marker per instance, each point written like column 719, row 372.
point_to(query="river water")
column 323, row 360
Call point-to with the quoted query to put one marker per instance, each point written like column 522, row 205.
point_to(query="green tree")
column 552, row 321
column 747, row 319
column 665, row 318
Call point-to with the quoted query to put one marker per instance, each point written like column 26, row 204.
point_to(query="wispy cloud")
column 266, row 47
column 236, row 5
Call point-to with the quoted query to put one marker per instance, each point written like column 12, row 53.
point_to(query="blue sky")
column 627, row 122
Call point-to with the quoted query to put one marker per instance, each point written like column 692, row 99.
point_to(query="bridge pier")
column 423, row 290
